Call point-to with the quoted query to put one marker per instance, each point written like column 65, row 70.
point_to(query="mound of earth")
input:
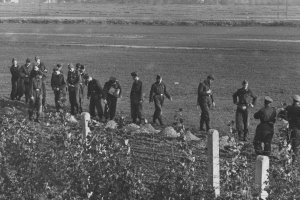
column 169, row 132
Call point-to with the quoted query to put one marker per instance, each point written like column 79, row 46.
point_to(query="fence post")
column 262, row 175
column 85, row 118
column 213, row 160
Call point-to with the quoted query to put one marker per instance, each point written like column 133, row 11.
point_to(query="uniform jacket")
column 203, row 97
column 244, row 97
column 58, row 81
column 15, row 72
column 293, row 116
column 73, row 78
column 25, row 73
column 158, row 89
column 267, row 116
column 43, row 70
column 109, row 86
column 95, row 89
column 136, row 94
column 35, row 87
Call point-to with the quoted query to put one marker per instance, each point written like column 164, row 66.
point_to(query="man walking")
column 43, row 70
column 25, row 81
column 157, row 94
column 136, row 99
column 244, row 99
column 73, row 80
column 112, row 91
column 95, row 93
column 35, row 93
column 293, row 117
column 265, row 130
column 14, row 70
column 58, row 85
column 205, row 100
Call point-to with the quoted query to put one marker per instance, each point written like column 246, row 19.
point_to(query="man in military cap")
column 265, row 130
column 35, row 94
column 95, row 93
column 73, row 80
column 136, row 98
column 24, row 81
column 43, row 70
column 14, row 70
column 244, row 98
column 205, row 100
column 293, row 117
column 157, row 94
column 58, row 85
column 112, row 91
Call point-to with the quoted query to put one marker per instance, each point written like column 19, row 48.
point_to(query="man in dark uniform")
column 136, row 98
column 24, row 81
column 244, row 99
column 73, row 80
column 44, row 71
column 95, row 93
column 14, row 70
column 205, row 100
column 265, row 130
column 35, row 93
column 58, row 85
column 82, row 85
column 293, row 117
column 112, row 91
column 157, row 94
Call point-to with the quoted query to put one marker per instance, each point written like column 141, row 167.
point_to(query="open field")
column 146, row 12
column 266, row 56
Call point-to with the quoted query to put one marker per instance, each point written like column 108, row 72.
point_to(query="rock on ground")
column 129, row 128
column 111, row 125
column 169, row 132
column 190, row 137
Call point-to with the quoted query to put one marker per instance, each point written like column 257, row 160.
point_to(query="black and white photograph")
column 150, row 100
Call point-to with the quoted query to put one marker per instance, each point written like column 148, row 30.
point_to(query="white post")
column 213, row 160
column 85, row 118
column 262, row 175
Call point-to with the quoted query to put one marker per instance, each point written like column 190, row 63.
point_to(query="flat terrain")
column 266, row 56
column 151, row 11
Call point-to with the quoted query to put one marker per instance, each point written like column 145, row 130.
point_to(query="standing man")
column 73, row 80
column 244, row 99
column 293, row 117
column 205, row 100
column 14, row 70
column 35, row 93
column 112, row 91
column 25, row 81
column 136, row 99
column 58, row 85
column 82, row 85
column 95, row 93
column 157, row 94
column 44, row 71
column 265, row 130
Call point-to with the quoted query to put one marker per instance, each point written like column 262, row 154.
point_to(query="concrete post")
column 213, row 160
column 85, row 118
column 262, row 174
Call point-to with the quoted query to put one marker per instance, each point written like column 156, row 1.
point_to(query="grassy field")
column 266, row 56
column 155, row 11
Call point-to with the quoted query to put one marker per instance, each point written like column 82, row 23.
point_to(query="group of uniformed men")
column 244, row 99
column 32, row 84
